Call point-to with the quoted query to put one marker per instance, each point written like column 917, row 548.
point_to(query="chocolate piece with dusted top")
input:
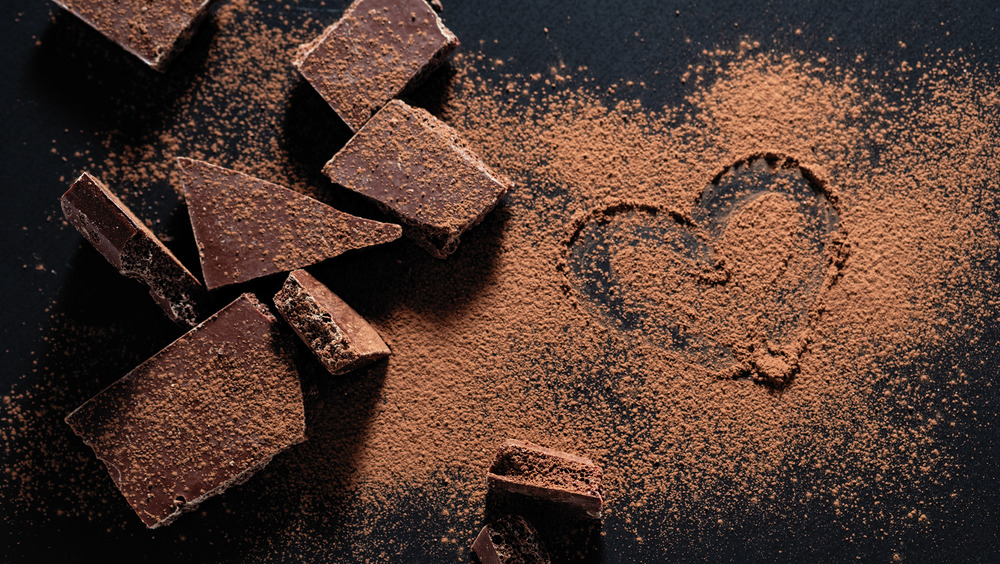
column 201, row 415
column 125, row 241
column 340, row 338
column 526, row 469
column 417, row 168
column 510, row 540
column 153, row 30
column 376, row 51
column 246, row 227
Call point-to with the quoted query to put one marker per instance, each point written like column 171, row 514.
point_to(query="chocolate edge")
column 236, row 480
column 176, row 44
column 183, row 306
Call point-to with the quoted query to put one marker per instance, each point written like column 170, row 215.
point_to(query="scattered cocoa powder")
column 237, row 115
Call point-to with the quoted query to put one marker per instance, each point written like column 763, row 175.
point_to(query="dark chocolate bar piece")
column 341, row 339
column 133, row 249
column 526, row 469
column 417, row 168
column 376, row 51
column 510, row 540
column 247, row 228
column 153, row 30
column 201, row 415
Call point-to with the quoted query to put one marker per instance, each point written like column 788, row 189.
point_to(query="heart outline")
column 757, row 357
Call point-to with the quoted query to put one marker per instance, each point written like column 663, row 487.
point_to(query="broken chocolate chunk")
column 510, row 540
column 416, row 167
column 247, row 228
column 201, row 415
column 341, row 339
column 133, row 249
column 376, row 51
column 526, row 469
column 153, row 30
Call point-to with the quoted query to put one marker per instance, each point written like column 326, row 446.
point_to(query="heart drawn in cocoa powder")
column 735, row 285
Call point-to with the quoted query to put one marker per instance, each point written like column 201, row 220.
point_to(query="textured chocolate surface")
column 417, row 167
column 340, row 338
column 510, row 540
column 201, row 415
column 523, row 468
column 377, row 50
column 153, row 30
column 133, row 249
column 247, row 228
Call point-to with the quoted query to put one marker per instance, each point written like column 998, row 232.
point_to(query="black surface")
column 69, row 87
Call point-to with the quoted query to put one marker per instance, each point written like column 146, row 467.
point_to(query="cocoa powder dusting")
column 755, row 306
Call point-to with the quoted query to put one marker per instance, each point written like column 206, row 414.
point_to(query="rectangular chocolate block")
column 133, row 249
column 417, row 167
column 341, row 339
column 201, row 415
column 526, row 469
column 376, row 51
column 153, row 30
column 510, row 540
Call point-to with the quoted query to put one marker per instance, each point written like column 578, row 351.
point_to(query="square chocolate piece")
column 201, row 415
column 525, row 469
column 417, row 168
column 153, row 30
column 133, row 249
column 376, row 51
column 341, row 339
column 510, row 540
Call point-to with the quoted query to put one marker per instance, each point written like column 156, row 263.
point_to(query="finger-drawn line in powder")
column 736, row 284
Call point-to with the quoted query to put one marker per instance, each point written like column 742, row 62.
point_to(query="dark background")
column 63, row 84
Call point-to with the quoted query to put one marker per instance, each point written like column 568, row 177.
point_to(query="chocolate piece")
column 201, row 415
column 153, row 30
column 416, row 167
column 376, row 51
column 510, row 540
column 342, row 339
column 133, row 249
column 247, row 228
column 527, row 469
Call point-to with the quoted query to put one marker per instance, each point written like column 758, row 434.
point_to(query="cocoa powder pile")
column 801, row 356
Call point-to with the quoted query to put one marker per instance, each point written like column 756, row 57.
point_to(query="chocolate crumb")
column 510, row 540
column 526, row 469
column 341, row 339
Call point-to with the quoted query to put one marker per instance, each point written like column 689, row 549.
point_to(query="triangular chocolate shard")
column 246, row 227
